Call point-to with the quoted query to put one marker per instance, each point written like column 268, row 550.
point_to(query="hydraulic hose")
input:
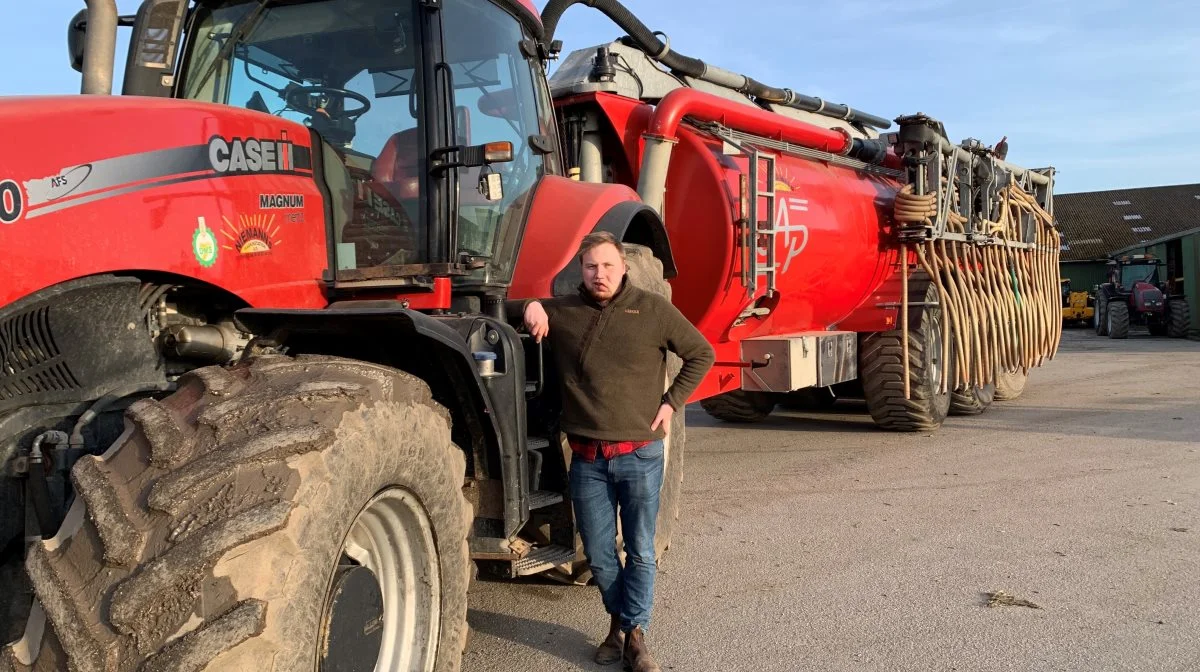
column 647, row 40
column 37, row 490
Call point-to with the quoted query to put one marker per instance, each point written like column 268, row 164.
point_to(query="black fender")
column 631, row 222
column 488, row 415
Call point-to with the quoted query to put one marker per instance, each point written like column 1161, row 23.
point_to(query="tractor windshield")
column 1135, row 273
column 352, row 70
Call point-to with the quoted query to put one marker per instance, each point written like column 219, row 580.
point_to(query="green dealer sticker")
column 204, row 245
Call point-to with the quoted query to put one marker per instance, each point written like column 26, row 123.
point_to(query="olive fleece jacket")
column 612, row 360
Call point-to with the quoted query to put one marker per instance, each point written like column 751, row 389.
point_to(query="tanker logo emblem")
column 204, row 244
column 252, row 234
column 789, row 213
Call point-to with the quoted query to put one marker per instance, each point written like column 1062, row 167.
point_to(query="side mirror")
column 76, row 36
column 473, row 156
column 490, row 186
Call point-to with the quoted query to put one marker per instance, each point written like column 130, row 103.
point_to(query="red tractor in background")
column 1135, row 294
column 261, row 406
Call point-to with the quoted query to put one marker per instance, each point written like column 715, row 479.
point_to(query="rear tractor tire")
column 881, row 369
column 646, row 272
column 290, row 514
column 1179, row 318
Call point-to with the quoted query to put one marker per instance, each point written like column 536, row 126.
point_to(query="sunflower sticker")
column 251, row 234
column 204, row 244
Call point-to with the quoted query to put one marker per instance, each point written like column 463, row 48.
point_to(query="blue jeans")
column 632, row 483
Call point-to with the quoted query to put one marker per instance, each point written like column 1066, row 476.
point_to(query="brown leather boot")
column 637, row 655
column 609, row 650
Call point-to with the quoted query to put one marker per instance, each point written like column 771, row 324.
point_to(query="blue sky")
column 1108, row 91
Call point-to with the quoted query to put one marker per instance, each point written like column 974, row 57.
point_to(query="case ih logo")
column 252, row 155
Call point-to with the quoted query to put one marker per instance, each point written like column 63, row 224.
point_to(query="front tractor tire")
column 1117, row 320
column 881, row 369
column 290, row 514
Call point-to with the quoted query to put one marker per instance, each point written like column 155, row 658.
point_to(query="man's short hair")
column 596, row 239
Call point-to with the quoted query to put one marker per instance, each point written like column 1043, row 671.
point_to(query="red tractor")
column 1135, row 294
column 261, row 405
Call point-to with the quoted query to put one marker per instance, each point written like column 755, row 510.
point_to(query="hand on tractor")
column 663, row 418
column 536, row 321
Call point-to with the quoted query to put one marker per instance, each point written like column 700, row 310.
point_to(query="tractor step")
column 542, row 559
column 540, row 499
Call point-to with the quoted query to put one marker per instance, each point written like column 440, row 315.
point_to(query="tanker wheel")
column 290, row 514
column 739, row 406
column 1010, row 384
column 973, row 401
column 1100, row 317
column 1117, row 319
column 808, row 399
column 1180, row 318
column 881, row 368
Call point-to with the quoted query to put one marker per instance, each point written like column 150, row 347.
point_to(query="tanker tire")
column 1180, row 318
column 1117, row 319
column 741, row 406
column 213, row 526
column 646, row 272
column 881, row 368
column 1010, row 384
column 972, row 402
column 809, row 399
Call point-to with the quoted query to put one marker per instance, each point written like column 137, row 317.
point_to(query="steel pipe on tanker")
column 591, row 158
column 99, row 47
column 662, row 133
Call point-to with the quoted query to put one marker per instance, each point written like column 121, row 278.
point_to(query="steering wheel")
column 299, row 98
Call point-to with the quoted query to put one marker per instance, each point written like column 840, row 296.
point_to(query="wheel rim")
column 935, row 354
column 393, row 538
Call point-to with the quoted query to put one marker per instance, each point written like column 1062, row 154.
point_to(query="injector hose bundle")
column 997, row 286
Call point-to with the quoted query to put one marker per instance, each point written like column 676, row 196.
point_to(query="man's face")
column 603, row 269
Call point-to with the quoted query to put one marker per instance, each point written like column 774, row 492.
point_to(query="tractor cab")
column 1129, row 271
column 435, row 120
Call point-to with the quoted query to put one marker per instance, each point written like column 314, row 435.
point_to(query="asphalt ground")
column 813, row 541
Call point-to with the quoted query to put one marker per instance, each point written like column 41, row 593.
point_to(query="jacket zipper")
column 595, row 329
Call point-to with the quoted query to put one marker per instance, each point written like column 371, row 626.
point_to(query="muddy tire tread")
column 118, row 585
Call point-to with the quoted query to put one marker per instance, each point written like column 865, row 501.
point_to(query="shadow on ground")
column 567, row 644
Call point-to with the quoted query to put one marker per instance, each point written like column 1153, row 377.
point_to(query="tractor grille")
column 30, row 361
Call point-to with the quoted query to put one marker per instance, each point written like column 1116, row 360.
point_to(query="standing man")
column 610, row 343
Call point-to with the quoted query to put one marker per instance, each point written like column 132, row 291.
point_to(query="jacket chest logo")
column 632, row 311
